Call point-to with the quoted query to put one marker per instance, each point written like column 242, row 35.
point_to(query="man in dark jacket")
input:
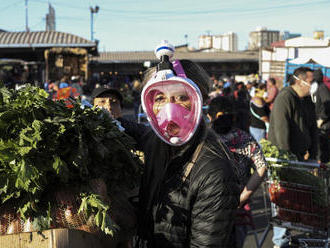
column 292, row 120
column 189, row 193
column 293, row 126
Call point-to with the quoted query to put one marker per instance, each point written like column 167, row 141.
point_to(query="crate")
column 58, row 238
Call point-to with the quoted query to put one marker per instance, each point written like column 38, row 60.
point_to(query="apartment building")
column 262, row 38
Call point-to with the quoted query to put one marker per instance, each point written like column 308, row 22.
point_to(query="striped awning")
column 42, row 39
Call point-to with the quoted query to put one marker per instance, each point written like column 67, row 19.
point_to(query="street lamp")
column 186, row 38
column 93, row 11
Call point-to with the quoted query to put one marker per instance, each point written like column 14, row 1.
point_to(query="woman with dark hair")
column 189, row 193
column 322, row 110
column 246, row 152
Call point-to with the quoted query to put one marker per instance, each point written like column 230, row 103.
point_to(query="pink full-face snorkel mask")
column 173, row 105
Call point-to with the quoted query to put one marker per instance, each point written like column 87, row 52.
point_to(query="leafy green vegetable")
column 93, row 203
column 45, row 146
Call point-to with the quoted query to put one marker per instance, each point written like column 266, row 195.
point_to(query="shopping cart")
column 299, row 195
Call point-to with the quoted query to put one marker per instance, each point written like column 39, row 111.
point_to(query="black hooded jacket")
column 196, row 212
column 322, row 107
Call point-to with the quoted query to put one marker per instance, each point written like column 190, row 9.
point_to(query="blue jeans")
column 280, row 236
column 257, row 133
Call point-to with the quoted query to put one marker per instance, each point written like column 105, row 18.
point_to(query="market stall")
column 63, row 168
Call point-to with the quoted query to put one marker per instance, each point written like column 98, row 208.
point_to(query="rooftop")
column 141, row 56
column 42, row 39
column 306, row 42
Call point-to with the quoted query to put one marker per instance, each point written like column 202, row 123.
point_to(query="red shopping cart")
column 299, row 195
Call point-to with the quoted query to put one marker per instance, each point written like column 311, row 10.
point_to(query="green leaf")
column 60, row 168
column 98, row 218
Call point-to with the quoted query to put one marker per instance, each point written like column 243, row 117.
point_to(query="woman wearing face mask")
column 189, row 192
column 247, row 154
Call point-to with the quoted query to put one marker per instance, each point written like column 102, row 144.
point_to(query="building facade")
column 224, row 42
column 273, row 60
column 318, row 35
column 286, row 35
column 262, row 38
column 205, row 42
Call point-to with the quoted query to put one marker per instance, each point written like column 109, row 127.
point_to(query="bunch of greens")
column 44, row 145
column 271, row 151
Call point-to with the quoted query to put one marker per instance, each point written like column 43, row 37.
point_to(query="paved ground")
column 260, row 218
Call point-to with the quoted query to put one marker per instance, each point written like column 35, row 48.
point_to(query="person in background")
column 247, row 154
column 227, row 83
column 63, row 83
column 217, row 90
column 253, row 88
column 259, row 115
column 227, row 92
column 108, row 99
column 76, row 83
column 293, row 127
column 53, row 87
column 136, row 94
column 322, row 109
column 272, row 92
column 241, row 101
column 249, row 86
column 46, row 85
column 189, row 193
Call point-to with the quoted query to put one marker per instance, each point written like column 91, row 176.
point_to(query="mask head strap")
column 178, row 69
column 303, row 81
column 164, row 64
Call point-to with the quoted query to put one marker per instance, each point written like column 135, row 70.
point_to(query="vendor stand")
column 61, row 170
column 66, row 62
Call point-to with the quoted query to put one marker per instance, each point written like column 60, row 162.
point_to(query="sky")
column 139, row 25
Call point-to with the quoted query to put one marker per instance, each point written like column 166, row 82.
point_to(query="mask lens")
column 164, row 94
column 173, row 109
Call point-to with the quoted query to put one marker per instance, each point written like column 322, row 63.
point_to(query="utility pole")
column 26, row 17
column 93, row 11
